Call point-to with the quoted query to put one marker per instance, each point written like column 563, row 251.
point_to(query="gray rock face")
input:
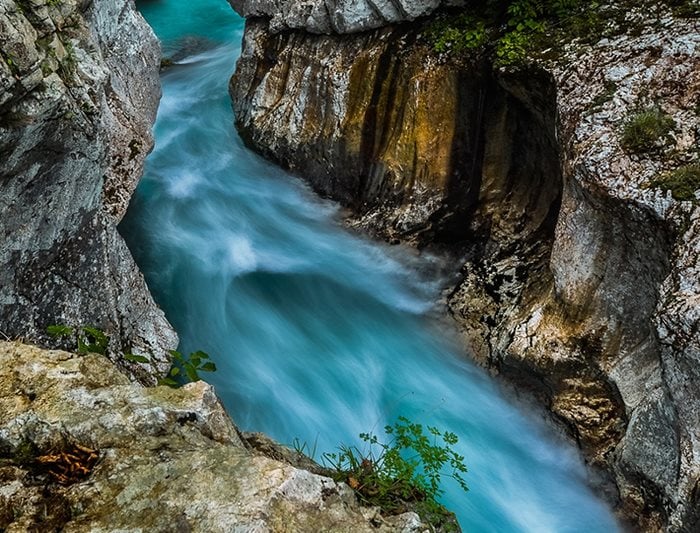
column 337, row 16
column 581, row 281
column 78, row 95
column 155, row 459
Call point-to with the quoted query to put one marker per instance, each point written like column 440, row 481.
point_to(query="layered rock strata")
column 79, row 91
column 580, row 280
column 337, row 16
column 84, row 449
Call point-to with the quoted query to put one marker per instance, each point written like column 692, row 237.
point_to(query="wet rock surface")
column 156, row 459
column 580, row 275
column 78, row 95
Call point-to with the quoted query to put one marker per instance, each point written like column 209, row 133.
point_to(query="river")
column 319, row 333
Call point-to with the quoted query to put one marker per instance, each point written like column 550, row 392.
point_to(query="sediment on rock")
column 580, row 281
column 78, row 98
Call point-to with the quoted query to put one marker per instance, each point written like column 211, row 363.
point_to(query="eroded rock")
column 169, row 459
column 337, row 16
column 581, row 278
column 78, row 97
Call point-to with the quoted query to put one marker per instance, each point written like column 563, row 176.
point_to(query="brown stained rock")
column 582, row 280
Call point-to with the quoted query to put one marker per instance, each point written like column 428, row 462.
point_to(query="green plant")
column 521, row 30
column 67, row 66
column 404, row 473
column 88, row 339
column 647, row 131
column 513, row 28
column 136, row 358
column 188, row 367
column 458, row 34
column 683, row 182
column 12, row 65
column 302, row 448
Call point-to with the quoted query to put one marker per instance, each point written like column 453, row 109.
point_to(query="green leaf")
column 208, row 367
column 168, row 382
column 174, row 371
column 59, row 330
column 95, row 340
column 191, row 372
column 135, row 358
column 83, row 348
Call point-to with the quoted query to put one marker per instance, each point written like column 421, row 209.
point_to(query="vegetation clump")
column 187, row 366
column 647, row 131
column 513, row 31
column 89, row 339
column 683, row 182
column 404, row 474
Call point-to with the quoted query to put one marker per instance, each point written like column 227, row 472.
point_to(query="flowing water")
column 318, row 333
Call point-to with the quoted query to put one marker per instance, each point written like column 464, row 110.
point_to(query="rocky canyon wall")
column 79, row 91
column 580, row 279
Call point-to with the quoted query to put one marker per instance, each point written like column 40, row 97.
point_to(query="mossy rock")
column 647, row 131
column 684, row 182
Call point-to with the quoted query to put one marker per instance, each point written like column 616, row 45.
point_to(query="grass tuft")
column 647, row 131
column 683, row 182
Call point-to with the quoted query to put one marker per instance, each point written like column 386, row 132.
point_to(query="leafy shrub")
column 647, row 131
column 520, row 29
column 683, row 182
column 88, row 339
column 403, row 474
column 459, row 34
column 513, row 27
column 188, row 367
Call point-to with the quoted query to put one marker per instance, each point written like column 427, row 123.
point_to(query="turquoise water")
column 318, row 333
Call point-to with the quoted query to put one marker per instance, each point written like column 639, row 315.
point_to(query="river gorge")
column 468, row 246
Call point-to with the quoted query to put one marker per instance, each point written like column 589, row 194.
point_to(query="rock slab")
column 168, row 459
column 337, row 16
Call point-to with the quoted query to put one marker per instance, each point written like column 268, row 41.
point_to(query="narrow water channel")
column 318, row 333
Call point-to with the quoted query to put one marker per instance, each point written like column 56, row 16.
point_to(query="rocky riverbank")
column 580, row 279
column 82, row 448
column 78, row 96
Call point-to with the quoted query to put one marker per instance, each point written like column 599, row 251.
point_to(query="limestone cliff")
column 337, row 16
column 84, row 449
column 79, row 91
column 581, row 277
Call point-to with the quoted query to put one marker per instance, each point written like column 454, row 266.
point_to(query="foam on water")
column 318, row 333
